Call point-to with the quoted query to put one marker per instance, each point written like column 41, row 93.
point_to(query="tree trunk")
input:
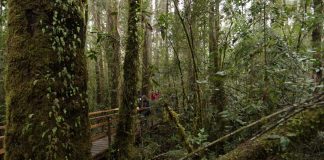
column 218, row 99
column 127, row 112
column 113, row 53
column 147, row 53
column 46, row 82
column 317, row 42
column 99, row 63
column 1, row 55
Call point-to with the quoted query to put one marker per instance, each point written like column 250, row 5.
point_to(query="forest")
column 161, row 79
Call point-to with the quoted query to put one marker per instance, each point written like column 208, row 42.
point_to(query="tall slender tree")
column 96, row 9
column 2, row 17
column 218, row 98
column 317, row 41
column 113, row 53
column 46, row 81
column 127, row 112
column 147, row 51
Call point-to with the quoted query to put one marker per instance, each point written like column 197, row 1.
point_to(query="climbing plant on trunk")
column 127, row 112
column 46, row 81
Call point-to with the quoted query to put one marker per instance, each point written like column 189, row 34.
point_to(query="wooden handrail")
column 104, row 111
column 102, row 117
column 99, row 119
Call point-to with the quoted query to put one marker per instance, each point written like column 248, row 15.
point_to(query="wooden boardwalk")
column 103, row 130
column 99, row 148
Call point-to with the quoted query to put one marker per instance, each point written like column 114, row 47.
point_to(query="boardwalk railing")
column 103, row 125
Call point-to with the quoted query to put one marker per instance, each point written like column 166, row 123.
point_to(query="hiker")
column 145, row 104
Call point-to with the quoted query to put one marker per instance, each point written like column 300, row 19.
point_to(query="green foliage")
column 200, row 139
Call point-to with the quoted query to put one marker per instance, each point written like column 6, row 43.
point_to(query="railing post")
column 109, row 131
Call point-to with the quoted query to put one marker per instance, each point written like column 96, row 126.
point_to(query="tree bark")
column 218, row 98
column 1, row 54
column 317, row 42
column 99, row 61
column 46, row 81
column 113, row 53
column 147, row 54
column 127, row 112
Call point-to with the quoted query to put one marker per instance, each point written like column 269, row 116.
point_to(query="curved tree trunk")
column 127, row 112
column 46, row 82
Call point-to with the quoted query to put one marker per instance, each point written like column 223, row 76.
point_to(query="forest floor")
column 161, row 142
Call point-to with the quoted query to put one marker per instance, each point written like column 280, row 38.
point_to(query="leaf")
column 30, row 115
column 274, row 136
column 240, row 122
column 221, row 73
column 54, row 130
column 284, row 142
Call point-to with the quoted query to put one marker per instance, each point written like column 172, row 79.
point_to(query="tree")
column 147, row 52
column 127, row 112
column 101, row 99
column 113, row 53
column 46, row 81
column 218, row 98
column 317, row 41
column 2, row 48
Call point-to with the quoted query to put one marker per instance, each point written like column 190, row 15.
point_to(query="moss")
column 303, row 125
column 125, row 137
column 181, row 130
column 44, row 119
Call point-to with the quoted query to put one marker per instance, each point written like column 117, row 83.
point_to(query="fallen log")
column 315, row 102
column 303, row 125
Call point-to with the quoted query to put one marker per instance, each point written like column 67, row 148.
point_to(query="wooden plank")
column 102, row 117
column 99, row 147
column 98, row 136
column 100, row 141
column 99, row 124
column 104, row 111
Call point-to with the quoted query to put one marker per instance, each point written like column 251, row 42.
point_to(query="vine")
column 64, row 34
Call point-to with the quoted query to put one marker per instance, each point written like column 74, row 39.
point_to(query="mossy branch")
column 317, row 101
column 181, row 130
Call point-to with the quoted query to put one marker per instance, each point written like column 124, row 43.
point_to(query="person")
column 145, row 104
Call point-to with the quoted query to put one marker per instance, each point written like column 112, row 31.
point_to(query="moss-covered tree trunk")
column 46, row 81
column 99, row 60
column 317, row 41
column 218, row 98
column 2, row 16
column 147, row 53
column 113, row 53
column 127, row 112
